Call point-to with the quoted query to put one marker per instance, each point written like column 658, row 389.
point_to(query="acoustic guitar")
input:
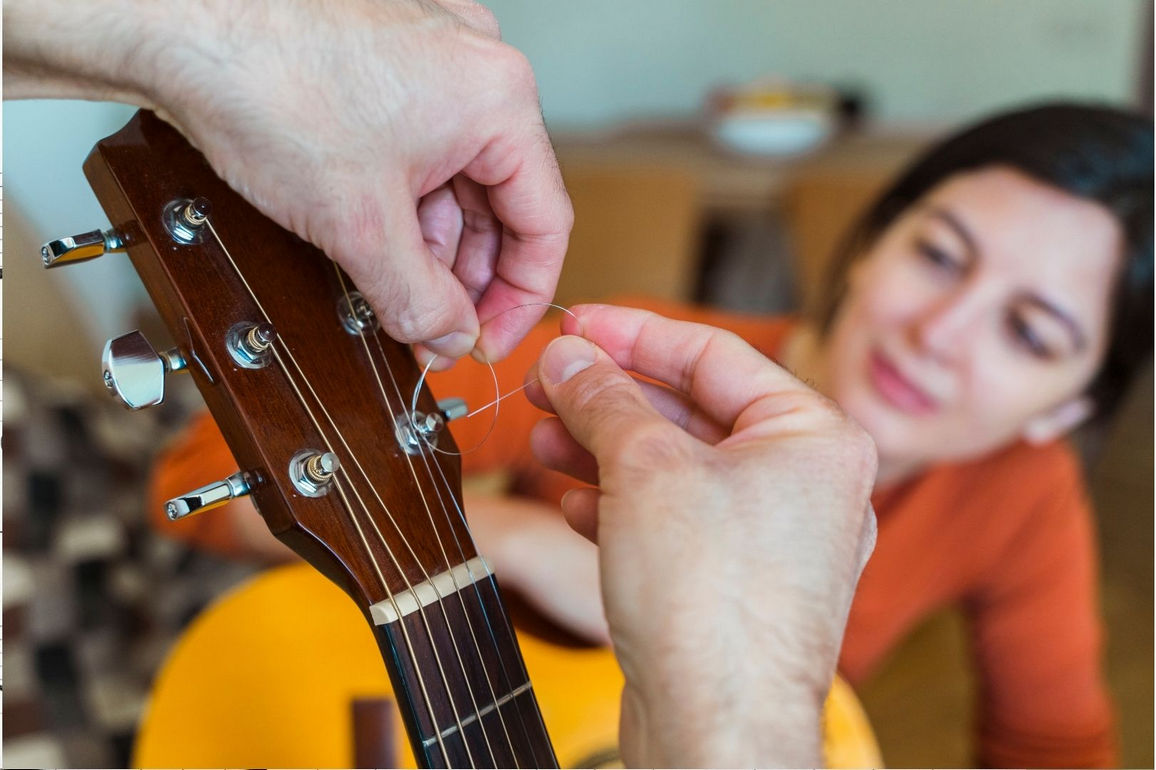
column 314, row 403
column 223, row 698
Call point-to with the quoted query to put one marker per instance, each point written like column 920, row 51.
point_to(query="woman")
column 996, row 296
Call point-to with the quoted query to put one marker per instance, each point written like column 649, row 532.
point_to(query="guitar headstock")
column 313, row 399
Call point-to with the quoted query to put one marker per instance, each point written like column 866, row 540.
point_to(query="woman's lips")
column 896, row 389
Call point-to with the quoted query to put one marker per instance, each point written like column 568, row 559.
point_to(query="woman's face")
column 977, row 318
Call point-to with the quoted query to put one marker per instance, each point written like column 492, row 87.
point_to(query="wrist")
column 110, row 50
column 753, row 708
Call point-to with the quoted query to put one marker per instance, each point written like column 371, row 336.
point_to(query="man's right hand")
column 401, row 137
column 732, row 511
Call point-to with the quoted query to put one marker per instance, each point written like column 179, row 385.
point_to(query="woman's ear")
column 1057, row 421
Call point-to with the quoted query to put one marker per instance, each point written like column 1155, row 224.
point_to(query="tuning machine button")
column 78, row 248
column 453, row 408
column 134, row 372
column 209, row 496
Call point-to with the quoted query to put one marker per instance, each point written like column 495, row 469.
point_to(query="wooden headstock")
column 389, row 518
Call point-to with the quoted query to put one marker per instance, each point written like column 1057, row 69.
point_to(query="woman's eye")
column 938, row 257
column 1027, row 338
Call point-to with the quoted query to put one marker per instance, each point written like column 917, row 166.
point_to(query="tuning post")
column 185, row 219
column 80, row 248
column 312, row 471
column 250, row 344
column 209, row 496
column 419, row 430
column 356, row 314
column 134, row 372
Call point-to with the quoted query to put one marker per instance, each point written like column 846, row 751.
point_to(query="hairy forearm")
column 101, row 49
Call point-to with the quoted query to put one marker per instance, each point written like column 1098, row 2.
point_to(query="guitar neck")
column 458, row 674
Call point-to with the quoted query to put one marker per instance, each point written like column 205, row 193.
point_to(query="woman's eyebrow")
column 1066, row 320
column 955, row 224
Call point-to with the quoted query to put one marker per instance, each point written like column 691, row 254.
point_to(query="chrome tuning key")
column 79, row 248
column 134, row 372
column 209, row 496
column 453, row 408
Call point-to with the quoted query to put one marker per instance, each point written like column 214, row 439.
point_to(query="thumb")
column 416, row 295
column 599, row 403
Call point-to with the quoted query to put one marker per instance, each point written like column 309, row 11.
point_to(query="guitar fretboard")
column 462, row 685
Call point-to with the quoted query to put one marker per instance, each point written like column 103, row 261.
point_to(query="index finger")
column 526, row 194
column 721, row 373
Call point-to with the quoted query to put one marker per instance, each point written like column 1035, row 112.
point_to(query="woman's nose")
column 943, row 328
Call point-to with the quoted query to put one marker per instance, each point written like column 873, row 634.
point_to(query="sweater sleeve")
column 1037, row 638
column 488, row 444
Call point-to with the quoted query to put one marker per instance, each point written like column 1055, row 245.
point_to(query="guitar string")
column 500, row 397
column 494, row 403
column 385, row 545
column 507, row 624
column 461, row 514
column 372, row 558
column 509, row 685
column 361, row 501
column 377, row 568
column 474, row 581
column 437, row 535
column 551, row 759
column 373, row 523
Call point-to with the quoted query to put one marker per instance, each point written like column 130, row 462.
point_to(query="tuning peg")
column 78, row 248
column 134, row 372
column 453, row 408
column 185, row 219
column 209, row 496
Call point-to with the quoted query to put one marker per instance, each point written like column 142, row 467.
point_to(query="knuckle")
column 565, row 207
column 652, row 446
column 515, row 70
column 485, row 20
column 598, row 390
column 407, row 318
column 860, row 448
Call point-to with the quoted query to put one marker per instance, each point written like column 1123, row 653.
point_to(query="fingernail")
column 423, row 356
column 431, row 359
column 565, row 357
column 454, row 344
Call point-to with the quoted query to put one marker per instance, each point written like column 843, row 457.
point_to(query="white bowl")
column 771, row 133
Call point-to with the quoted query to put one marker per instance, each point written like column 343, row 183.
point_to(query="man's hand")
column 400, row 136
column 733, row 517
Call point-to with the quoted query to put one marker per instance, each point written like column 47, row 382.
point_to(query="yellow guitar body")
column 265, row 678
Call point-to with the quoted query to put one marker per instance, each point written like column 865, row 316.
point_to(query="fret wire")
column 441, row 546
column 373, row 560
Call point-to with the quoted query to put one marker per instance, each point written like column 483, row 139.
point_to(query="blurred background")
column 714, row 151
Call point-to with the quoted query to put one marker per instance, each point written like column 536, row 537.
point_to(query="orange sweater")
column 1009, row 538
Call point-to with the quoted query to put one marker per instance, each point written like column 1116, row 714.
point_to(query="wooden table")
column 651, row 199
